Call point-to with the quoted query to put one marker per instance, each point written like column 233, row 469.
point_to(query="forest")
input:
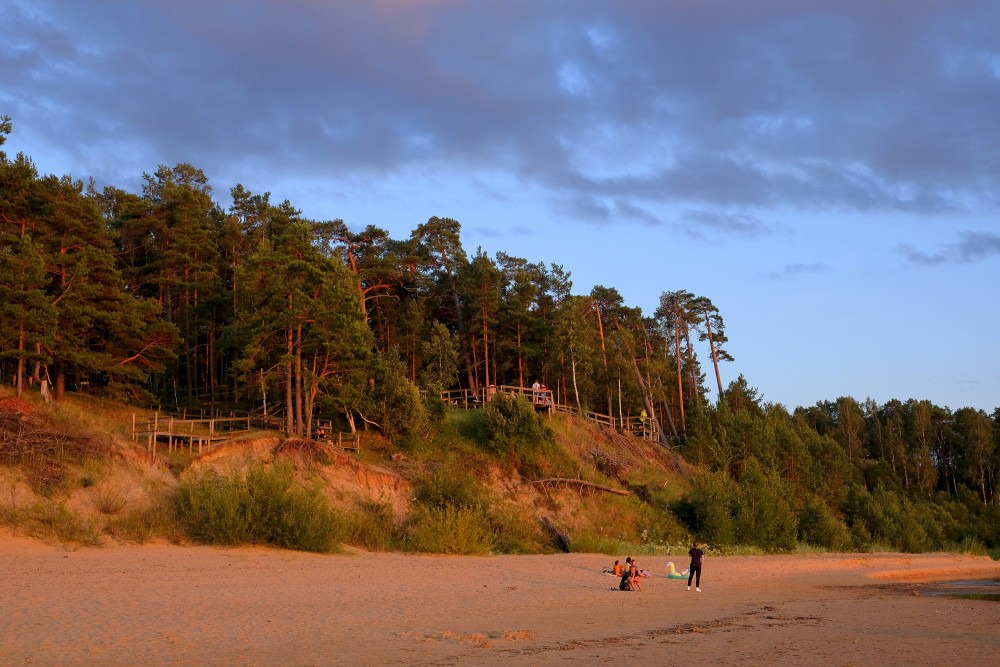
column 166, row 297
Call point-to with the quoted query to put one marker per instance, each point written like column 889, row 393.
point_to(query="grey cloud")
column 796, row 270
column 856, row 106
column 630, row 211
column 701, row 223
column 972, row 246
column 494, row 233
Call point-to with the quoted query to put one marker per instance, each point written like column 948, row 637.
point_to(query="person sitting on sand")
column 626, row 582
column 615, row 570
column 634, row 577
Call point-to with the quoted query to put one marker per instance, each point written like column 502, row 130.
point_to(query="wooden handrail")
column 647, row 429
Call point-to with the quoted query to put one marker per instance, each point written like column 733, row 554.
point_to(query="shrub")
column 764, row 515
column 819, row 527
column 589, row 543
column 393, row 401
column 138, row 527
column 261, row 506
column 970, row 546
column 435, row 406
column 371, row 527
column 511, row 422
column 510, row 427
column 707, row 508
column 52, row 522
column 109, row 501
column 661, row 526
column 516, row 531
column 451, row 530
column 452, row 484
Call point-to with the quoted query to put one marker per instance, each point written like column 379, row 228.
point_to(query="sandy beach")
column 168, row 605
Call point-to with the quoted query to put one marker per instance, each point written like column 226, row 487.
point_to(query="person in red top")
column 697, row 558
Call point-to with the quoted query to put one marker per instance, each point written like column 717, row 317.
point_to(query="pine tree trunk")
column 715, row 356
column 459, row 321
column 693, row 389
column 289, row 402
column 20, row 361
column 210, row 364
column 680, row 374
column 645, row 397
column 604, row 352
column 299, row 382
column 486, row 351
column 576, row 390
column 520, row 357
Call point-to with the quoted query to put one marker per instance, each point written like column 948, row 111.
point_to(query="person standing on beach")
column 697, row 558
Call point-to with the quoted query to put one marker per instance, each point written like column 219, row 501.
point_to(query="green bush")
column 392, row 400
column 510, row 422
column 589, row 543
column 145, row 521
column 819, row 527
column 452, row 484
column 970, row 546
column 260, row 506
column 435, row 406
column 372, row 527
column 660, row 526
column 50, row 521
column 516, row 533
column 451, row 530
column 763, row 514
column 708, row 508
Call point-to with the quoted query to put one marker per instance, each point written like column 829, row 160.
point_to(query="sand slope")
column 169, row 605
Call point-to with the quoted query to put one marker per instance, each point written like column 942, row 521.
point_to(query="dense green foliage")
column 168, row 297
column 906, row 476
column 261, row 505
column 451, row 529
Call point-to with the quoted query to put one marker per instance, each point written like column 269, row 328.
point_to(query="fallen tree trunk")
column 580, row 482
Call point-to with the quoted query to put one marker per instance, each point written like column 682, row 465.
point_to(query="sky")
column 827, row 173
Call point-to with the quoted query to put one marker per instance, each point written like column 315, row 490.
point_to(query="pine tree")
column 27, row 315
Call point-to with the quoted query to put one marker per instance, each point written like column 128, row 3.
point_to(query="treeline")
column 842, row 474
column 166, row 296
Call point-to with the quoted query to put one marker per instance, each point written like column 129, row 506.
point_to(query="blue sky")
column 828, row 173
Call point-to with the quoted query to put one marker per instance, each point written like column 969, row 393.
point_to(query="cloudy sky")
column 828, row 173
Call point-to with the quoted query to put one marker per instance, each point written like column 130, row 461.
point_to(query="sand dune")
column 168, row 605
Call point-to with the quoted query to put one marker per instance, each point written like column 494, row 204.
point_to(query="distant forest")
column 166, row 297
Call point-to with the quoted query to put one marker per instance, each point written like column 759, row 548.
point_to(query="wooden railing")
column 472, row 399
column 178, row 431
